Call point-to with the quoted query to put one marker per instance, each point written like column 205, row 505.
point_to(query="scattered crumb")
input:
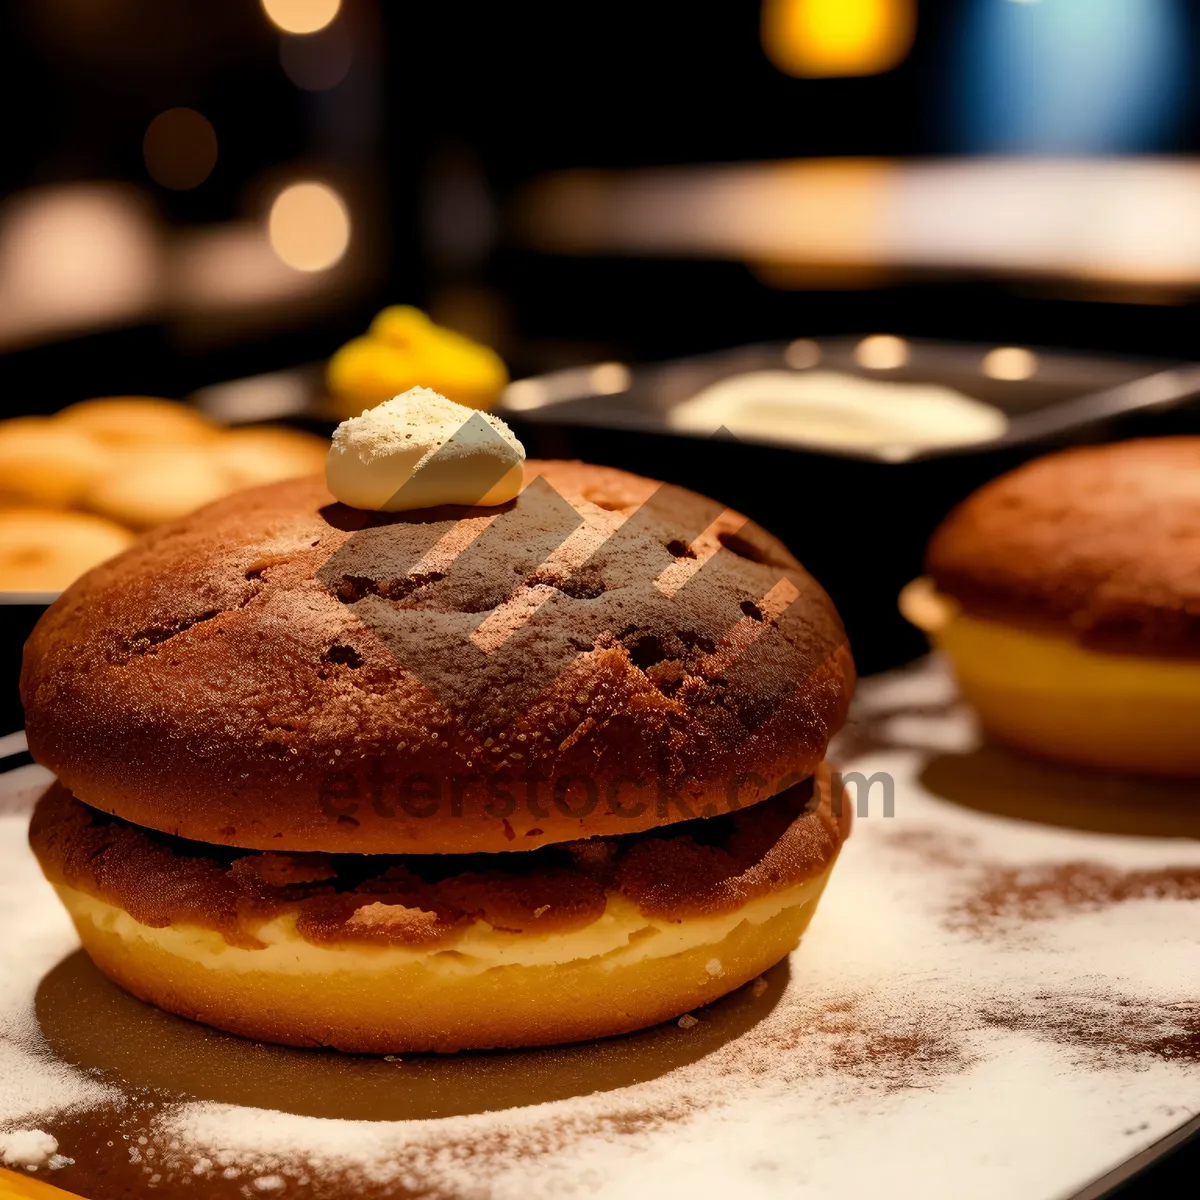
column 687, row 1021
column 759, row 986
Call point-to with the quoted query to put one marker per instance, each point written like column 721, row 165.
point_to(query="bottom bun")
column 1057, row 699
column 380, row 1000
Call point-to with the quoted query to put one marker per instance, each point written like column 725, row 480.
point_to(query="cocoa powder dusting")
column 1000, row 903
column 1105, row 1030
column 882, row 1048
column 1002, row 895
column 994, row 899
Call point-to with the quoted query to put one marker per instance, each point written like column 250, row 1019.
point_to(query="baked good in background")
column 152, row 485
column 136, row 462
column 140, row 421
column 44, row 550
column 46, row 463
column 332, row 836
column 1066, row 594
column 404, row 349
column 254, row 454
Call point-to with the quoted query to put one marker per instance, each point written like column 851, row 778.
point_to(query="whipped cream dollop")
column 419, row 450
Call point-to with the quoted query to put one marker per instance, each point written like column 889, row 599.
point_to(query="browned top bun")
column 1102, row 543
column 278, row 671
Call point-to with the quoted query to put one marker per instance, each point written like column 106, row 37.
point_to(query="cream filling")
column 1024, row 660
column 622, row 936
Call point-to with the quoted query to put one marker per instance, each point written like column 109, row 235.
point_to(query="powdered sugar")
column 29, row 1148
column 983, row 1006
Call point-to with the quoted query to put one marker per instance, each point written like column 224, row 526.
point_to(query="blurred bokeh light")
column 301, row 16
column 608, row 379
column 802, row 354
column 881, row 352
column 180, row 148
column 231, row 265
column 75, row 256
column 309, row 226
column 1011, row 363
column 1009, row 216
column 1070, row 76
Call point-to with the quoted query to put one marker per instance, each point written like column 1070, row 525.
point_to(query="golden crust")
column 698, row 868
column 1101, row 543
column 273, row 672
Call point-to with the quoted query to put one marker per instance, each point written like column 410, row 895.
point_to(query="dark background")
column 448, row 110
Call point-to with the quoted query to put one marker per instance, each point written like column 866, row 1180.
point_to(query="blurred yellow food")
column 42, row 550
column 266, row 453
column 45, row 463
column 817, row 39
column 405, row 349
column 140, row 421
column 1051, row 696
